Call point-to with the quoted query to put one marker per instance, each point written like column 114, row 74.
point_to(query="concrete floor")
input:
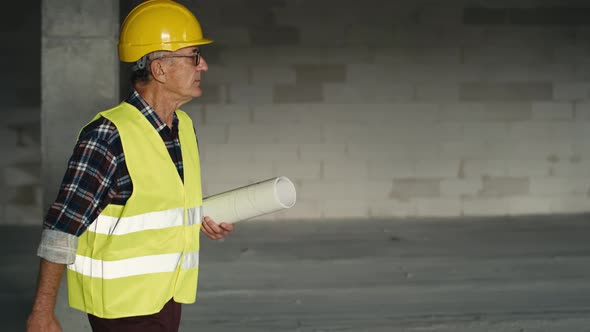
column 510, row 274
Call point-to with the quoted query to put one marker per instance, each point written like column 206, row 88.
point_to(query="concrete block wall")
column 399, row 108
column 374, row 108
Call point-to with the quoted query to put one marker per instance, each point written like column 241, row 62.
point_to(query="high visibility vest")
column 133, row 258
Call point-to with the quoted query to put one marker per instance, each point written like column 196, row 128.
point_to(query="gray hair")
column 141, row 70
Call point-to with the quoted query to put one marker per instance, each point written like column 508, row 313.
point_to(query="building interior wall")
column 375, row 109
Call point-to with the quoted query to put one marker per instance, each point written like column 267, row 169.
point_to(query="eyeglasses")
column 196, row 57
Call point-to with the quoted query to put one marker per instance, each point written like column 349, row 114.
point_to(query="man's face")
column 184, row 75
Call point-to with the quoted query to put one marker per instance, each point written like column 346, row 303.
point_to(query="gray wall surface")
column 400, row 108
column 20, row 91
column 21, row 38
column 374, row 108
column 79, row 76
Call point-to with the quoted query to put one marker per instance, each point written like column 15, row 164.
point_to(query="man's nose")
column 202, row 65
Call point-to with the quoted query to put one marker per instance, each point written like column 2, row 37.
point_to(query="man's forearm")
column 48, row 284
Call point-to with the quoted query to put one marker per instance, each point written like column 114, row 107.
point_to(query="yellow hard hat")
column 158, row 25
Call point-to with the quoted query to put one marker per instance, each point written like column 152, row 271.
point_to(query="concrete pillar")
column 79, row 76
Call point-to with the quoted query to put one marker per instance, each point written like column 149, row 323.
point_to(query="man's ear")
column 157, row 70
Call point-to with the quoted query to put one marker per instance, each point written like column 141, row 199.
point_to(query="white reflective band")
column 152, row 220
column 193, row 215
column 191, row 259
column 125, row 267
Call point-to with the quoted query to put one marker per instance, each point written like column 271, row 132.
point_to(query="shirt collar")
column 136, row 100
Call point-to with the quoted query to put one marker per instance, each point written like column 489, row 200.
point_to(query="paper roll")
column 250, row 201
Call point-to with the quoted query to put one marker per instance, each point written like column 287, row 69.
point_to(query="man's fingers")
column 215, row 231
column 210, row 235
column 207, row 230
column 213, row 226
column 205, row 227
column 226, row 227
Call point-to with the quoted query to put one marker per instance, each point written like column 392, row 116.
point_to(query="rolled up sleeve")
column 87, row 188
column 58, row 247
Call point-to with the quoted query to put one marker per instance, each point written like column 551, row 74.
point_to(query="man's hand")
column 42, row 322
column 215, row 231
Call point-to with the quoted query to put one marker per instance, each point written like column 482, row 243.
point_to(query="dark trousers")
column 167, row 320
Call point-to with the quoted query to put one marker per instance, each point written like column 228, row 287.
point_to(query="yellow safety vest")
column 134, row 258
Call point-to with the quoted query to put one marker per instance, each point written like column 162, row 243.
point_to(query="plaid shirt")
column 95, row 177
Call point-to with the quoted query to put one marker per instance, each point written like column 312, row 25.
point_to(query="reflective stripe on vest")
column 151, row 220
column 132, row 259
column 133, row 266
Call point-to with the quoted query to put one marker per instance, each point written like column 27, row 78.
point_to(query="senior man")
column 126, row 221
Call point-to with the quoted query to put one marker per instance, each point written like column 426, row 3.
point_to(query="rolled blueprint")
column 250, row 201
